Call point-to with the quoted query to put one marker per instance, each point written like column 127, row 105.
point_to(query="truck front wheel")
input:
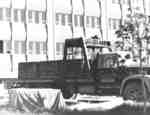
column 133, row 91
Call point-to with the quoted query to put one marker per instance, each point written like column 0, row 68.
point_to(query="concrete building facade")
column 35, row 30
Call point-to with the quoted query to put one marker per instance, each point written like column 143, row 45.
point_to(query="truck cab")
column 91, row 72
column 105, row 74
column 82, row 51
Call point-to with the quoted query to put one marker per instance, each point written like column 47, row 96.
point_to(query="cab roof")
column 78, row 42
column 74, row 42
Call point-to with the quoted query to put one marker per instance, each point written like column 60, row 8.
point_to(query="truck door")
column 75, row 57
column 77, row 69
column 106, row 73
column 74, row 62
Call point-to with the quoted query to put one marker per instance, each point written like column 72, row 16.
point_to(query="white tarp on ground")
column 94, row 103
column 84, row 106
column 36, row 100
column 104, row 104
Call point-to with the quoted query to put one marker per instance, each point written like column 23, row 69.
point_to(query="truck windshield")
column 77, row 52
column 97, row 50
column 74, row 53
column 109, row 60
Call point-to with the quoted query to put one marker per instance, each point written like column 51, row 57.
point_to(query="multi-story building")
column 35, row 30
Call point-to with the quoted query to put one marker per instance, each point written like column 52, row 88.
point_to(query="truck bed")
column 40, row 70
column 50, row 69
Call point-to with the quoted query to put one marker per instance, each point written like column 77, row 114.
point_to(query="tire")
column 133, row 91
column 68, row 92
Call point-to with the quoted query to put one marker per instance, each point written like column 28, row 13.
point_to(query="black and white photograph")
column 74, row 57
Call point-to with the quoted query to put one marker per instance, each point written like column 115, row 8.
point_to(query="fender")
column 136, row 77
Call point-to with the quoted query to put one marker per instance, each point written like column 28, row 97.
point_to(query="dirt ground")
column 124, row 109
column 113, row 106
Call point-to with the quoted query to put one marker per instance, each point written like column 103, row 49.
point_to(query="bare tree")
column 100, row 18
column 136, row 29
column 121, row 11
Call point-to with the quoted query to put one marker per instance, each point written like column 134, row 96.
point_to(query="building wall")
column 22, row 33
column 75, row 18
column 36, row 30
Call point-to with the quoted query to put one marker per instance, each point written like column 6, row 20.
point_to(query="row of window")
column 66, row 19
column 5, row 14
column 125, row 1
column 59, row 48
column 19, row 15
column 114, row 23
column 37, row 47
column 19, row 47
column 37, row 16
column 117, row 1
column 91, row 21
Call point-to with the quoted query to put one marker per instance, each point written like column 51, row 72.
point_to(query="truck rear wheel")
column 68, row 92
column 133, row 91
